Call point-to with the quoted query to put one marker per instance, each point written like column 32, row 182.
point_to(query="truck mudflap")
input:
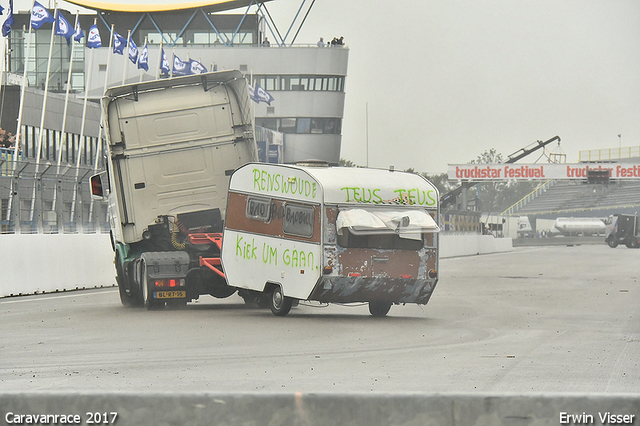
column 164, row 276
column 368, row 289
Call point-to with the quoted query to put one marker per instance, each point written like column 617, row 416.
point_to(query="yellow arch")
column 161, row 5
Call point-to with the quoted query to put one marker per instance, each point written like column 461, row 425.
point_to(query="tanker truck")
column 172, row 147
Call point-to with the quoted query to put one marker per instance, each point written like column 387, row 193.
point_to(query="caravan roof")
column 335, row 185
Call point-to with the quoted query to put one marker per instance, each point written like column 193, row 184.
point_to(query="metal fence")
column 47, row 198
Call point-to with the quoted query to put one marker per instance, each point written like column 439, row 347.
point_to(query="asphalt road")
column 535, row 320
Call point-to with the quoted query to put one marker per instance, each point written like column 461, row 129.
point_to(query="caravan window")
column 298, row 220
column 384, row 228
column 259, row 209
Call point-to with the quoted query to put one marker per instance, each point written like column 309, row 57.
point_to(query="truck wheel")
column 147, row 296
column 128, row 296
column 280, row 304
column 379, row 309
column 613, row 243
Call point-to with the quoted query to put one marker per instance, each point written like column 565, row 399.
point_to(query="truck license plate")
column 170, row 294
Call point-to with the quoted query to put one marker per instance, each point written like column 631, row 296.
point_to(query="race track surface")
column 535, row 320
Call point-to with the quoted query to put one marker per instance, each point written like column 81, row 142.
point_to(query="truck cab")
column 172, row 147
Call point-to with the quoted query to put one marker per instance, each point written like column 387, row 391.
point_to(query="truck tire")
column 379, row 309
column 613, row 242
column 128, row 296
column 147, row 296
column 280, row 304
column 633, row 243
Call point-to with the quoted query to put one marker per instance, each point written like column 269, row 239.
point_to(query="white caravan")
column 331, row 234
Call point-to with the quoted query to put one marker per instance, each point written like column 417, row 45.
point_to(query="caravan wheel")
column 379, row 309
column 280, row 304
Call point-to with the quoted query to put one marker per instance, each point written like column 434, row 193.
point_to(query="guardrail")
column 46, row 198
column 609, row 154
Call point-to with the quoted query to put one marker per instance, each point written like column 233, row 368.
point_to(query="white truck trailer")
column 172, row 146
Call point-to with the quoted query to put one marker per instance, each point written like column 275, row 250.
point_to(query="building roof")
column 138, row 6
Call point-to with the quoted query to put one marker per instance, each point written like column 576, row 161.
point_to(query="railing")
column 7, row 157
column 528, row 198
column 609, row 154
column 42, row 198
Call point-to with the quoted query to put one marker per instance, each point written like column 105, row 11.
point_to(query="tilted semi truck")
column 172, row 147
column 182, row 177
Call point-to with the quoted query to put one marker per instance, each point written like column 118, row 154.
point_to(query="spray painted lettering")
column 298, row 259
column 270, row 255
column 268, row 182
column 412, row 196
column 244, row 249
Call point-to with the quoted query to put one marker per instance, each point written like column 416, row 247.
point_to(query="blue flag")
column 196, row 67
column 78, row 33
column 93, row 39
column 119, row 43
column 133, row 51
column 164, row 64
column 143, row 62
column 180, row 67
column 260, row 95
column 6, row 27
column 63, row 28
column 40, row 16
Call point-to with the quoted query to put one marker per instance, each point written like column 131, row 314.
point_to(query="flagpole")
column 143, row 49
column 16, row 226
column 173, row 62
column 22, row 92
column 80, row 148
column 44, row 110
column 63, row 135
column 159, row 61
column 124, row 57
column 5, row 40
column 104, row 89
column 109, row 55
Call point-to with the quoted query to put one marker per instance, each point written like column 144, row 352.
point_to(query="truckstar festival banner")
column 478, row 172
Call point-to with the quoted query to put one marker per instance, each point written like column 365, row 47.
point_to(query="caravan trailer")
column 332, row 235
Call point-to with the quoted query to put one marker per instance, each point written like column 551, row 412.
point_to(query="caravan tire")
column 379, row 309
column 280, row 304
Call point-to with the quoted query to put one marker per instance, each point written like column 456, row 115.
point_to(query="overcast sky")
column 446, row 80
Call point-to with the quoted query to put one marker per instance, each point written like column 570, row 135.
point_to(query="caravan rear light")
column 327, row 270
column 354, row 274
column 405, row 276
column 433, row 273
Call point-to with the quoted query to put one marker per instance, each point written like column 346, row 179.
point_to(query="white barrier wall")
column 37, row 263
column 44, row 263
column 471, row 244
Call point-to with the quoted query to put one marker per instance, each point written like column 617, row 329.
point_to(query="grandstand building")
column 46, row 190
column 307, row 82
